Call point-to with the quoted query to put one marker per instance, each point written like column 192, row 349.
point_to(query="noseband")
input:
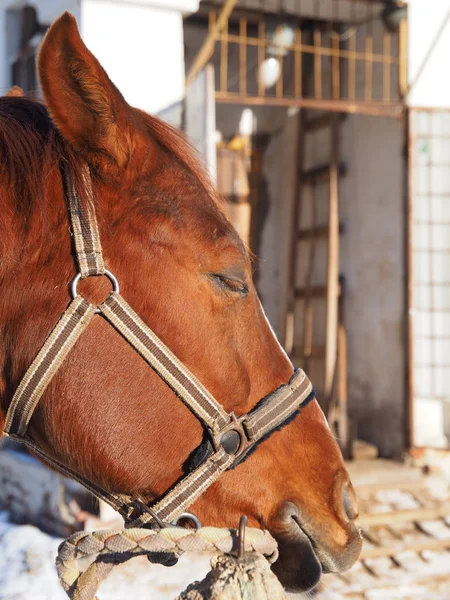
column 230, row 438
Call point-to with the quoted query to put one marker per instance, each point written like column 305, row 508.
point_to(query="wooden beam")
column 331, row 332
column 207, row 48
column 316, row 232
column 316, row 352
column 375, row 108
column 381, row 551
column 415, row 485
column 317, row 291
column 342, row 391
column 289, row 307
column 321, row 122
column 321, row 174
column 405, row 516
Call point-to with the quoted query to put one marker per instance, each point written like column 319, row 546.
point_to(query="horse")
column 106, row 415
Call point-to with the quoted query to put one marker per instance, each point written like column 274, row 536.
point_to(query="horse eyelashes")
column 231, row 285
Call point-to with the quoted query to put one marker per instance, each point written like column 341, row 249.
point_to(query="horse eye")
column 230, row 285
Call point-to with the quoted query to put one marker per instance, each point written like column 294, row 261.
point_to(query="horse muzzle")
column 311, row 546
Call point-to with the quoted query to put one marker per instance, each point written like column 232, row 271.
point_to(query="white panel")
column 421, row 267
column 428, row 52
column 439, row 206
column 430, row 162
column 440, row 235
column 440, row 267
column 422, row 350
column 441, row 326
column 441, row 297
column 422, row 323
column 423, row 377
column 422, row 297
column 140, row 47
column 428, row 425
column 200, row 117
column 184, row 6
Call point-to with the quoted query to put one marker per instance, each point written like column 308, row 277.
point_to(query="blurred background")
column 326, row 126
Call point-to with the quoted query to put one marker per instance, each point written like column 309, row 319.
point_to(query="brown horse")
column 106, row 415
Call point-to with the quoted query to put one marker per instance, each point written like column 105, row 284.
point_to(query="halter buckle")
column 233, row 438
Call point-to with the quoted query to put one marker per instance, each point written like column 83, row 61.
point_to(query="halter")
column 230, row 438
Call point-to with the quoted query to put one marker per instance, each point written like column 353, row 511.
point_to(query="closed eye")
column 230, row 284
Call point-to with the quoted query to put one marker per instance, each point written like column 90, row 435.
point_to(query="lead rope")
column 246, row 576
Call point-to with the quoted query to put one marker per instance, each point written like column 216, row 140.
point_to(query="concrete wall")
column 141, row 48
column 372, row 262
column 279, row 172
column 4, row 71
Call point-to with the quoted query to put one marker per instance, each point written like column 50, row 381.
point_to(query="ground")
column 405, row 517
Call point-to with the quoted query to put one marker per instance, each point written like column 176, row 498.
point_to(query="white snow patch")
column 27, row 570
column 27, row 564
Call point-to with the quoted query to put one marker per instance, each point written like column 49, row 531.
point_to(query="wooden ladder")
column 314, row 326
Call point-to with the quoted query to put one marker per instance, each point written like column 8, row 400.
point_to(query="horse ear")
column 16, row 92
column 84, row 104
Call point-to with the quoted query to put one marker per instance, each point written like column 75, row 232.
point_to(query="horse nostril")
column 349, row 502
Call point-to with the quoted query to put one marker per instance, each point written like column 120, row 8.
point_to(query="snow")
column 27, row 570
column 27, row 564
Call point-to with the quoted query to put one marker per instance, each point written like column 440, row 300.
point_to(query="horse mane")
column 175, row 142
column 28, row 139
column 31, row 147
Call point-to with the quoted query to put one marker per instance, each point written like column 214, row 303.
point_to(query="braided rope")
column 114, row 547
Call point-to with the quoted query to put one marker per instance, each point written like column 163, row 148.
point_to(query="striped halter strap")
column 230, row 437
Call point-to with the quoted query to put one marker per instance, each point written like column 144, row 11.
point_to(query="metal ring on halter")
column 189, row 517
column 73, row 285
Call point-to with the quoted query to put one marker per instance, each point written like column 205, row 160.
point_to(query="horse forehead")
column 176, row 219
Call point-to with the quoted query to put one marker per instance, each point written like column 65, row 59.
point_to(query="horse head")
column 107, row 415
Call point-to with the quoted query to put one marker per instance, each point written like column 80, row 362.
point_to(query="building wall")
column 428, row 52
column 429, row 49
column 373, row 264
column 48, row 11
column 279, row 172
column 140, row 44
column 4, row 73
column 141, row 48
